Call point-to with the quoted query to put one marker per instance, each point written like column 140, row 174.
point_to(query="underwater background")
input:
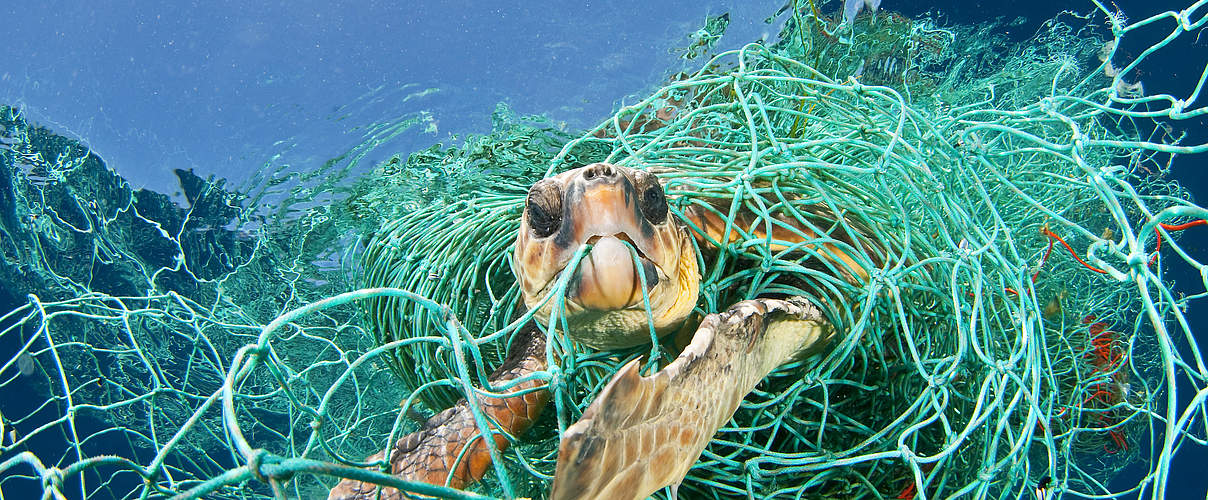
column 270, row 100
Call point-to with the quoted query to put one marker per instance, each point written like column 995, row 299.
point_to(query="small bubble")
column 25, row 363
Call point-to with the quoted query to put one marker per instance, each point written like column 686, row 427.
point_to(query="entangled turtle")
column 642, row 433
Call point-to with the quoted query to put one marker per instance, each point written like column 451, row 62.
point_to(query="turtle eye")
column 654, row 203
column 544, row 208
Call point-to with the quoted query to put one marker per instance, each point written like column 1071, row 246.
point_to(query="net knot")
column 986, row 474
column 1137, row 260
column 1048, row 105
column 52, row 479
column 877, row 280
column 555, row 378
column 1109, row 172
column 766, row 264
column 1185, row 19
column 255, row 462
column 936, row 381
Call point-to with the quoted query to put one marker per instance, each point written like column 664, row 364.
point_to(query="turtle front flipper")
column 643, row 433
column 431, row 454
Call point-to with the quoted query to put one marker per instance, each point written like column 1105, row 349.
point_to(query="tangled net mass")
column 1019, row 321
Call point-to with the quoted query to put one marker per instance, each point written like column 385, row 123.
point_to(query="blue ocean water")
column 230, row 88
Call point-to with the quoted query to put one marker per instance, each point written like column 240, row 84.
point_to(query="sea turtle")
column 641, row 433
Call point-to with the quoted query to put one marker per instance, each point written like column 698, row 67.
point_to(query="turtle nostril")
column 601, row 170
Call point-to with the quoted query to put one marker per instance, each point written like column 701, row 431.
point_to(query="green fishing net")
column 1011, row 202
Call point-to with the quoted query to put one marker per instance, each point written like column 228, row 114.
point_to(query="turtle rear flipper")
column 643, row 433
column 449, row 449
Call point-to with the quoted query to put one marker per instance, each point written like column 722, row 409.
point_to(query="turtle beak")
column 607, row 278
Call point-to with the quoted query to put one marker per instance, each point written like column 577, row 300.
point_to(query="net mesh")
column 1011, row 202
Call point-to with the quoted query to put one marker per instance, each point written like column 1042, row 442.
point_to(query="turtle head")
column 606, row 206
